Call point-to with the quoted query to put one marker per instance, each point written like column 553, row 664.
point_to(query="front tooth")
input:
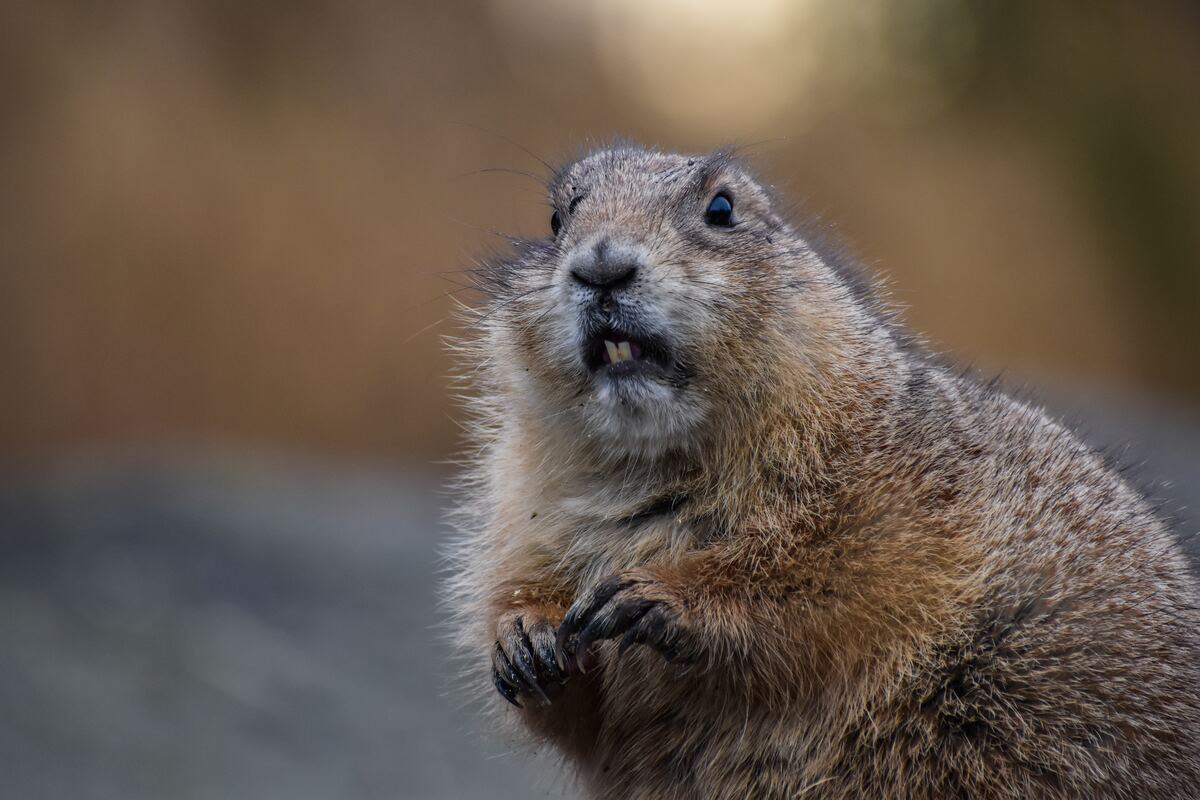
column 625, row 351
column 614, row 355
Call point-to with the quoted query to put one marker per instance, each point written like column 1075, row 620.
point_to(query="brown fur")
column 879, row 578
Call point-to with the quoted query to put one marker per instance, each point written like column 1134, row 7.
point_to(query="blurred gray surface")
column 236, row 627
column 229, row 628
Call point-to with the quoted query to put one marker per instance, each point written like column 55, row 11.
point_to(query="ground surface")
column 244, row 627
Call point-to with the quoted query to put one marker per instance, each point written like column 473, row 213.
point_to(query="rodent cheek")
column 560, row 335
column 538, row 331
column 688, row 315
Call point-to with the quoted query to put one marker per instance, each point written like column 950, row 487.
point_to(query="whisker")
column 480, row 229
column 427, row 328
column 509, row 301
column 504, row 138
column 491, row 170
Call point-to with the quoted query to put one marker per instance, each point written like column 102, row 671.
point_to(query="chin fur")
column 642, row 416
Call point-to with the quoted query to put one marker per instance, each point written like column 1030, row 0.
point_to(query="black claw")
column 540, row 645
column 580, row 612
column 604, row 613
column 522, row 661
column 548, row 659
column 525, row 662
column 507, row 691
column 605, row 626
column 509, row 672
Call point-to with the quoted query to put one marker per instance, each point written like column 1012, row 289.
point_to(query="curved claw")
column 510, row 673
column 524, row 662
column 612, row 621
column 584, row 608
column 635, row 609
column 506, row 690
column 541, row 646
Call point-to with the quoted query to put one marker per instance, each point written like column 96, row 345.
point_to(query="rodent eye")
column 719, row 211
column 555, row 223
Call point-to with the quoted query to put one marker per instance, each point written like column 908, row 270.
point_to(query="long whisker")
column 509, row 301
column 492, row 231
column 427, row 328
column 504, row 138
column 489, row 170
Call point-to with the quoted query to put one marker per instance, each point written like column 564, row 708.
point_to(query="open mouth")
column 621, row 353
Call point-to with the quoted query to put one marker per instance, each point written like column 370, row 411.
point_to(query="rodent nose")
column 604, row 266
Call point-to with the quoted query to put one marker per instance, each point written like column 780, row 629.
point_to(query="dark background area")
column 229, row 243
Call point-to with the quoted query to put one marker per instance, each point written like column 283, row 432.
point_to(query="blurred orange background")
column 237, row 223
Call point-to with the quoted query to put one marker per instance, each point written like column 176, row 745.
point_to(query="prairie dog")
column 727, row 531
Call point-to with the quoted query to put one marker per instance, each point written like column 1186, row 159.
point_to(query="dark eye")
column 555, row 223
column 719, row 211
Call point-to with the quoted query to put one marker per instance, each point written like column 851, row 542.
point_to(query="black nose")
column 605, row 265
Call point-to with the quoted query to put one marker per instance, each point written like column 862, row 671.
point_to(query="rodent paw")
column 524, row 663
column 631, row 605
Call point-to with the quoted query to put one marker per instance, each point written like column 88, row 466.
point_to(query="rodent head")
column 664, row 290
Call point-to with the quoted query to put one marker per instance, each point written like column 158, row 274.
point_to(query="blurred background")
column 228, row 244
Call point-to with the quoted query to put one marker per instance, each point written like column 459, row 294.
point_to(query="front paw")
column 633, row 605
column 524, row 663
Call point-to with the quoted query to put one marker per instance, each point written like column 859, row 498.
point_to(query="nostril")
column 621, row 276
column 605, row 274
column 605, row 265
